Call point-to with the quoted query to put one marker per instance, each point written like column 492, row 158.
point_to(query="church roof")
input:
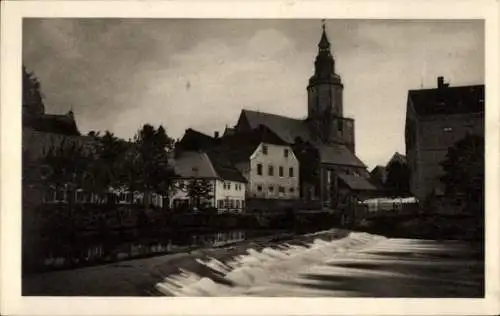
column 448, row 100
column 288, row 129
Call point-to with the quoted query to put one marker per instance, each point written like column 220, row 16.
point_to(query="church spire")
column 324, row 66
column 324, row 44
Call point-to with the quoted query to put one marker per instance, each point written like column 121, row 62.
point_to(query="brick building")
column 435, row 120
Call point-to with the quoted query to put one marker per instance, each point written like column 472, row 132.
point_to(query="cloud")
column 119, row 74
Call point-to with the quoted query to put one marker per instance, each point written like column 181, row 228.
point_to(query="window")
column 242, row 204
column 448, row 129
column 259, row 169
column 271, row 171
column 230, row 204
column 60, row 195
column 290, row 172
column 281, row 171
column 259, row 188
column 285, row 152
column 229, row 186
column 281, row 189
column 264, row 149
column 292, row 190
column 340, row 125
column 237, row 203
column 78, row 196
column 271, row 188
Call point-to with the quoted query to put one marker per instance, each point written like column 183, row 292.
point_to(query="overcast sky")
column 119, row 74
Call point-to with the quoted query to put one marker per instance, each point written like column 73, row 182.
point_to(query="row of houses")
column 273, row 162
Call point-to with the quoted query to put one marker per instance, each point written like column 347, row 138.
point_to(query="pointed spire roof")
column 324, row 44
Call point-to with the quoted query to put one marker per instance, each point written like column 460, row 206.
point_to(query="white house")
column 273, row 172
column 210, row 172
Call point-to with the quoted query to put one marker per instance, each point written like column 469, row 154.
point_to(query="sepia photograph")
column 205, row 157
column 175, row 157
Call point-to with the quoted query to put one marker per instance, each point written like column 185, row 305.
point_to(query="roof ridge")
column 449, row 87
column 272, row 114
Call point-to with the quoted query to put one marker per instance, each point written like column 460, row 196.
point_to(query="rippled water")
column 334, row 263
column 358, row 265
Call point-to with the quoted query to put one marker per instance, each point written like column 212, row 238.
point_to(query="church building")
column 324, row 142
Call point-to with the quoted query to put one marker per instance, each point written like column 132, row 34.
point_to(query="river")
column 331, row 263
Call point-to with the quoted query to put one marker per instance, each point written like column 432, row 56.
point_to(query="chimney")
column 216, row 134
column 440, row 82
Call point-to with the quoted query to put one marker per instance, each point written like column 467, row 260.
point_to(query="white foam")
column 258, row 269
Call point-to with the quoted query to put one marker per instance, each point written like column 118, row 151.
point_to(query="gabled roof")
column 397, row 157
column 208, row 165
column 357, row 183
column 193, row 164
column 338, row 154
column 448, row 100
column 377, row 169
column 239, row 146
column 195, row 140
column 225, row 168
column 288, row 129
column 53, row 123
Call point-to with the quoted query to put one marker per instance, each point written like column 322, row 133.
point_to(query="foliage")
column 464, row 172
column 67, row 165
column 199, row 190
column 107, row 166
column 31, row 93
column 146, row 163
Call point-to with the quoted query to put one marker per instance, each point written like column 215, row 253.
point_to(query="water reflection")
column 89, row 251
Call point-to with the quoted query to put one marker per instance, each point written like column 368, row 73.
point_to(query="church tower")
column 325, row 93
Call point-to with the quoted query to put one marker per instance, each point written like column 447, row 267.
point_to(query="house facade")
column 435, row 120
column 221, row 186
column 273, row 173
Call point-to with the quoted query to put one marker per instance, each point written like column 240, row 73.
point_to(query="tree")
column 398, row 179
column 199, row 190
column 32, row 95
column 147, row 162
column 464, row 173
column 107, row 167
